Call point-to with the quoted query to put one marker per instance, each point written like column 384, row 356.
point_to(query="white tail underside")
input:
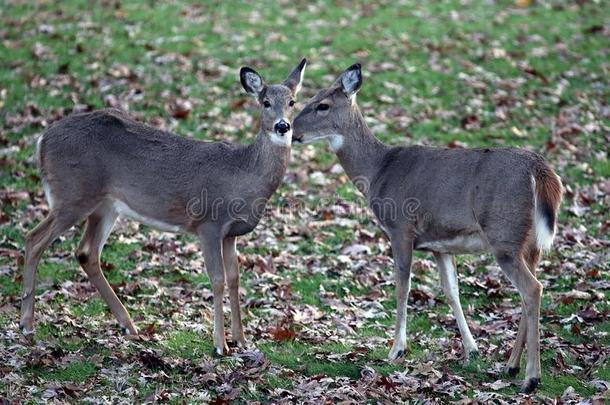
column 45, row 185
column 544, row 235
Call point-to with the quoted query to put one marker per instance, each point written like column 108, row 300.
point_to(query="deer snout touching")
column 297, row 138
column 281, row 127
column 297, row 135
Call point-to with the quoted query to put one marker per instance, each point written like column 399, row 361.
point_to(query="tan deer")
column 101, row 165
column 447, row 202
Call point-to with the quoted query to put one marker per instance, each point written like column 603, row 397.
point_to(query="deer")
column 102, row 165
column 448, row 202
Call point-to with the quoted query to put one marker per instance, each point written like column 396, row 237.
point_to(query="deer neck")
column 360, row 153
column 268, row 159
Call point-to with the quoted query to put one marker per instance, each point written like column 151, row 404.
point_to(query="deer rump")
column 468, row 201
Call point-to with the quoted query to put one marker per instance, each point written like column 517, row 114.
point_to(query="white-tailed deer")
column 101, row 165
column 447, row 202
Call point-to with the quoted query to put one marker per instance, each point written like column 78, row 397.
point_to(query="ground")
column 317, row 285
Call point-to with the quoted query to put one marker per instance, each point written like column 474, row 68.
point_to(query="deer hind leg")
column 531, row 257
column 514, row 362
column 211, row 244
column 449, row 282
column 229, row 255
column 530, row 290
column 99, row 226
column 57, row 222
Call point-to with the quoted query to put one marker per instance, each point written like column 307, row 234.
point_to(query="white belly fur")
column 459, row 245
column 123, row 210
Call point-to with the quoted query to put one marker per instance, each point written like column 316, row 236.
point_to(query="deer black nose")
column 282, row 127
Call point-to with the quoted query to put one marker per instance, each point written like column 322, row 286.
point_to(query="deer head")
column 328, row 113
column 276, row 100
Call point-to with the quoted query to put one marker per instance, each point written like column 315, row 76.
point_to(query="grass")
column 92, row 308
column 308, row 359
column 438, row 62
column 188, row 345
column 76, row 372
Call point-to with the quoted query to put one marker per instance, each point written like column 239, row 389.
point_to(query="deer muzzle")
column 281, row 127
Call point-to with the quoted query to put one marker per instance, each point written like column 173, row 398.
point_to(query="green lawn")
column 445, row 73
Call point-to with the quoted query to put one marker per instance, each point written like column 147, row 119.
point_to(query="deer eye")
column 322, row 107
column 266, row 104
column 291, row 103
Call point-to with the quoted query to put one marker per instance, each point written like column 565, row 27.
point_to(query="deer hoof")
column 396, row 355
column 399, row 354
column 218, row 352
column 130, row 334
column 26, row 331
column 27, row 335
column 473, row 355
column 530, row 385
column 512, row 371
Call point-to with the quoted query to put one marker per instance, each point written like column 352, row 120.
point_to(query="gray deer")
column 448, row 202
column 101, row 165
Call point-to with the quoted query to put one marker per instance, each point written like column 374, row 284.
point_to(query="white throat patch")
column 335, row 141
column 285, row 140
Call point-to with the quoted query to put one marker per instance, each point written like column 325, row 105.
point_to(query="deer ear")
column 251, row 81
column 295, row 79
column 351, row 80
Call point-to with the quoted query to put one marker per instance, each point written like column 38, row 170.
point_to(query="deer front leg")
column 402, row 249
column 449, row 281
column 229, row 254
column 211, row 244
